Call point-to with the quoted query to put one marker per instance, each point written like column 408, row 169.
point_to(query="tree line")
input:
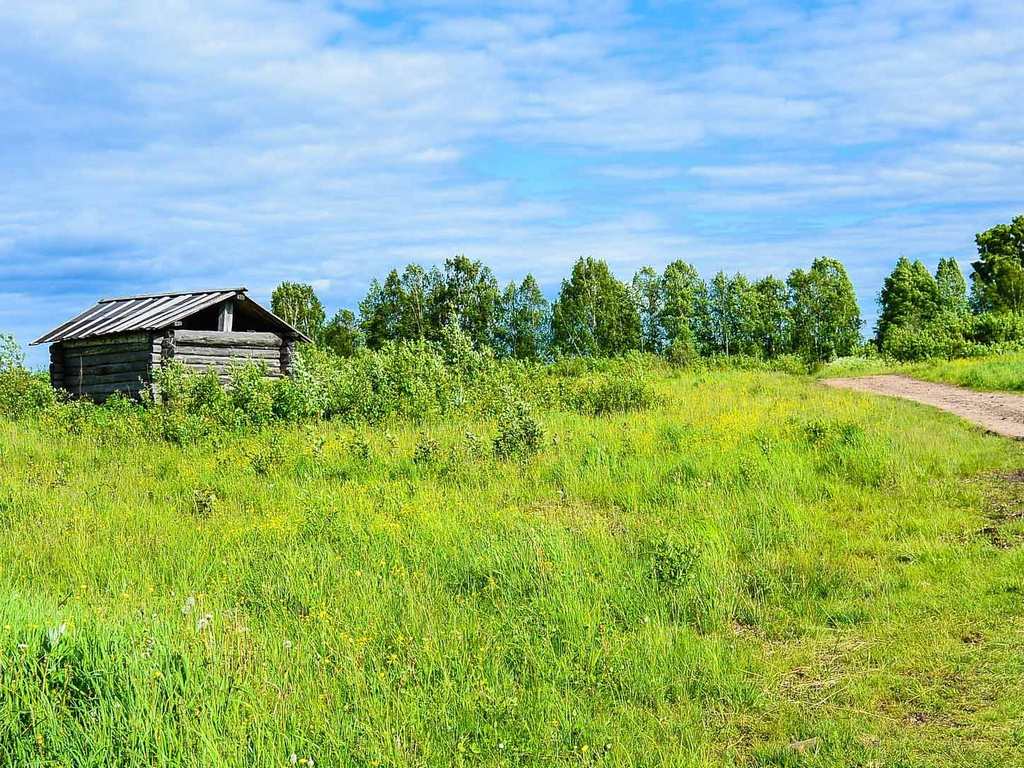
column 674, row 313
column 923, row 315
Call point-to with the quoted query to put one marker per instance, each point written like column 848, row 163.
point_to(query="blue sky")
column 149, row 145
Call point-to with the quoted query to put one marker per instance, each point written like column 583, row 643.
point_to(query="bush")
column 682, row 351
column 671, row 562
column 606, row 394
column 418, row 381
column 952, row 335
column 23, row 393
column 426, row 451
column 519, row 433
column 251, row 395
column 912, row 344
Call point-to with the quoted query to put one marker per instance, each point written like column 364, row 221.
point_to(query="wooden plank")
column 224, row 371
column 211, row 349
column 113, row 386
column 74, row 360
column 117, row 339
column 226, row 339
column 73, row 380
column 107, row 348
column 131, row 366
column 227, row 353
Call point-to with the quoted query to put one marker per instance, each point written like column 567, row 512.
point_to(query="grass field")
column 759, row 571
column 1003, row 372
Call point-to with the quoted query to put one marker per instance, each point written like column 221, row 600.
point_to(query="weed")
column 671, row 562
column 520, row 435
column 426, row 451
column 204, row 502
column 267, row 456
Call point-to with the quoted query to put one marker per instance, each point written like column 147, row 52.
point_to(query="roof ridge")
column 243, row 289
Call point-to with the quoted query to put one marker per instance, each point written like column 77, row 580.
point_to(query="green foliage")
column 681, row 286
column 251, row 395
column 467, row 295
column 524, row 325
column 595, row 314
column 298, row 305
column 673, row 314
column 649, row 298
column 417, row 305
column 909, row 299
column 23, row 393
column 11, row 355
column 998, row 276
column 427, row 450
column 955, row 334
column 825, row 316
column 342, row 334
column 771, row 333
column 520, row 435
column 1002, row 371
column 395, row 310
column 683, row 350
column 951, row 288
column 727, row 316
column 600, row 394
column 671, row 562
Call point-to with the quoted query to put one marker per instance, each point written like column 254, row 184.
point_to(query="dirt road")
column 995, row 411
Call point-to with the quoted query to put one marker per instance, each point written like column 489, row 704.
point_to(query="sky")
column 179, row 145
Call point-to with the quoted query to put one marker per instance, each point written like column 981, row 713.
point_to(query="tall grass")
column 1000, row 372
column 745, row 569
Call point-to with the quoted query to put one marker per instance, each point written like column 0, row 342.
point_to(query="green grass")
column 760, row 571
column 857, row 366
column 1003, row 372
column 998, row 372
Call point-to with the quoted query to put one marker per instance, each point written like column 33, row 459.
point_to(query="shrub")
column 23, row 393
column 251, row 395
column 268, row 456
column 671, row 562
column 911, row 344
column 682, row 351
column 519, row 433
column 426, row 450
column 605, row 394
column 952, row 335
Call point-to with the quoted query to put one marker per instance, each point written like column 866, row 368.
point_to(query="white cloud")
column 180, row 143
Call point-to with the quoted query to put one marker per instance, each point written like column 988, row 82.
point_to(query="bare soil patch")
column 997, row 412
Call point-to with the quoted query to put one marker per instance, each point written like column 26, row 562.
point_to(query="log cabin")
column 117, row 344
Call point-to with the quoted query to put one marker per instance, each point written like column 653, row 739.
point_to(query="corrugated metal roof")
column 149, row 312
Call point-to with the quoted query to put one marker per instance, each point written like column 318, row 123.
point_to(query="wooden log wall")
column 100, row 366
column 57, row 366
column 287, row 356
column 220, row 350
